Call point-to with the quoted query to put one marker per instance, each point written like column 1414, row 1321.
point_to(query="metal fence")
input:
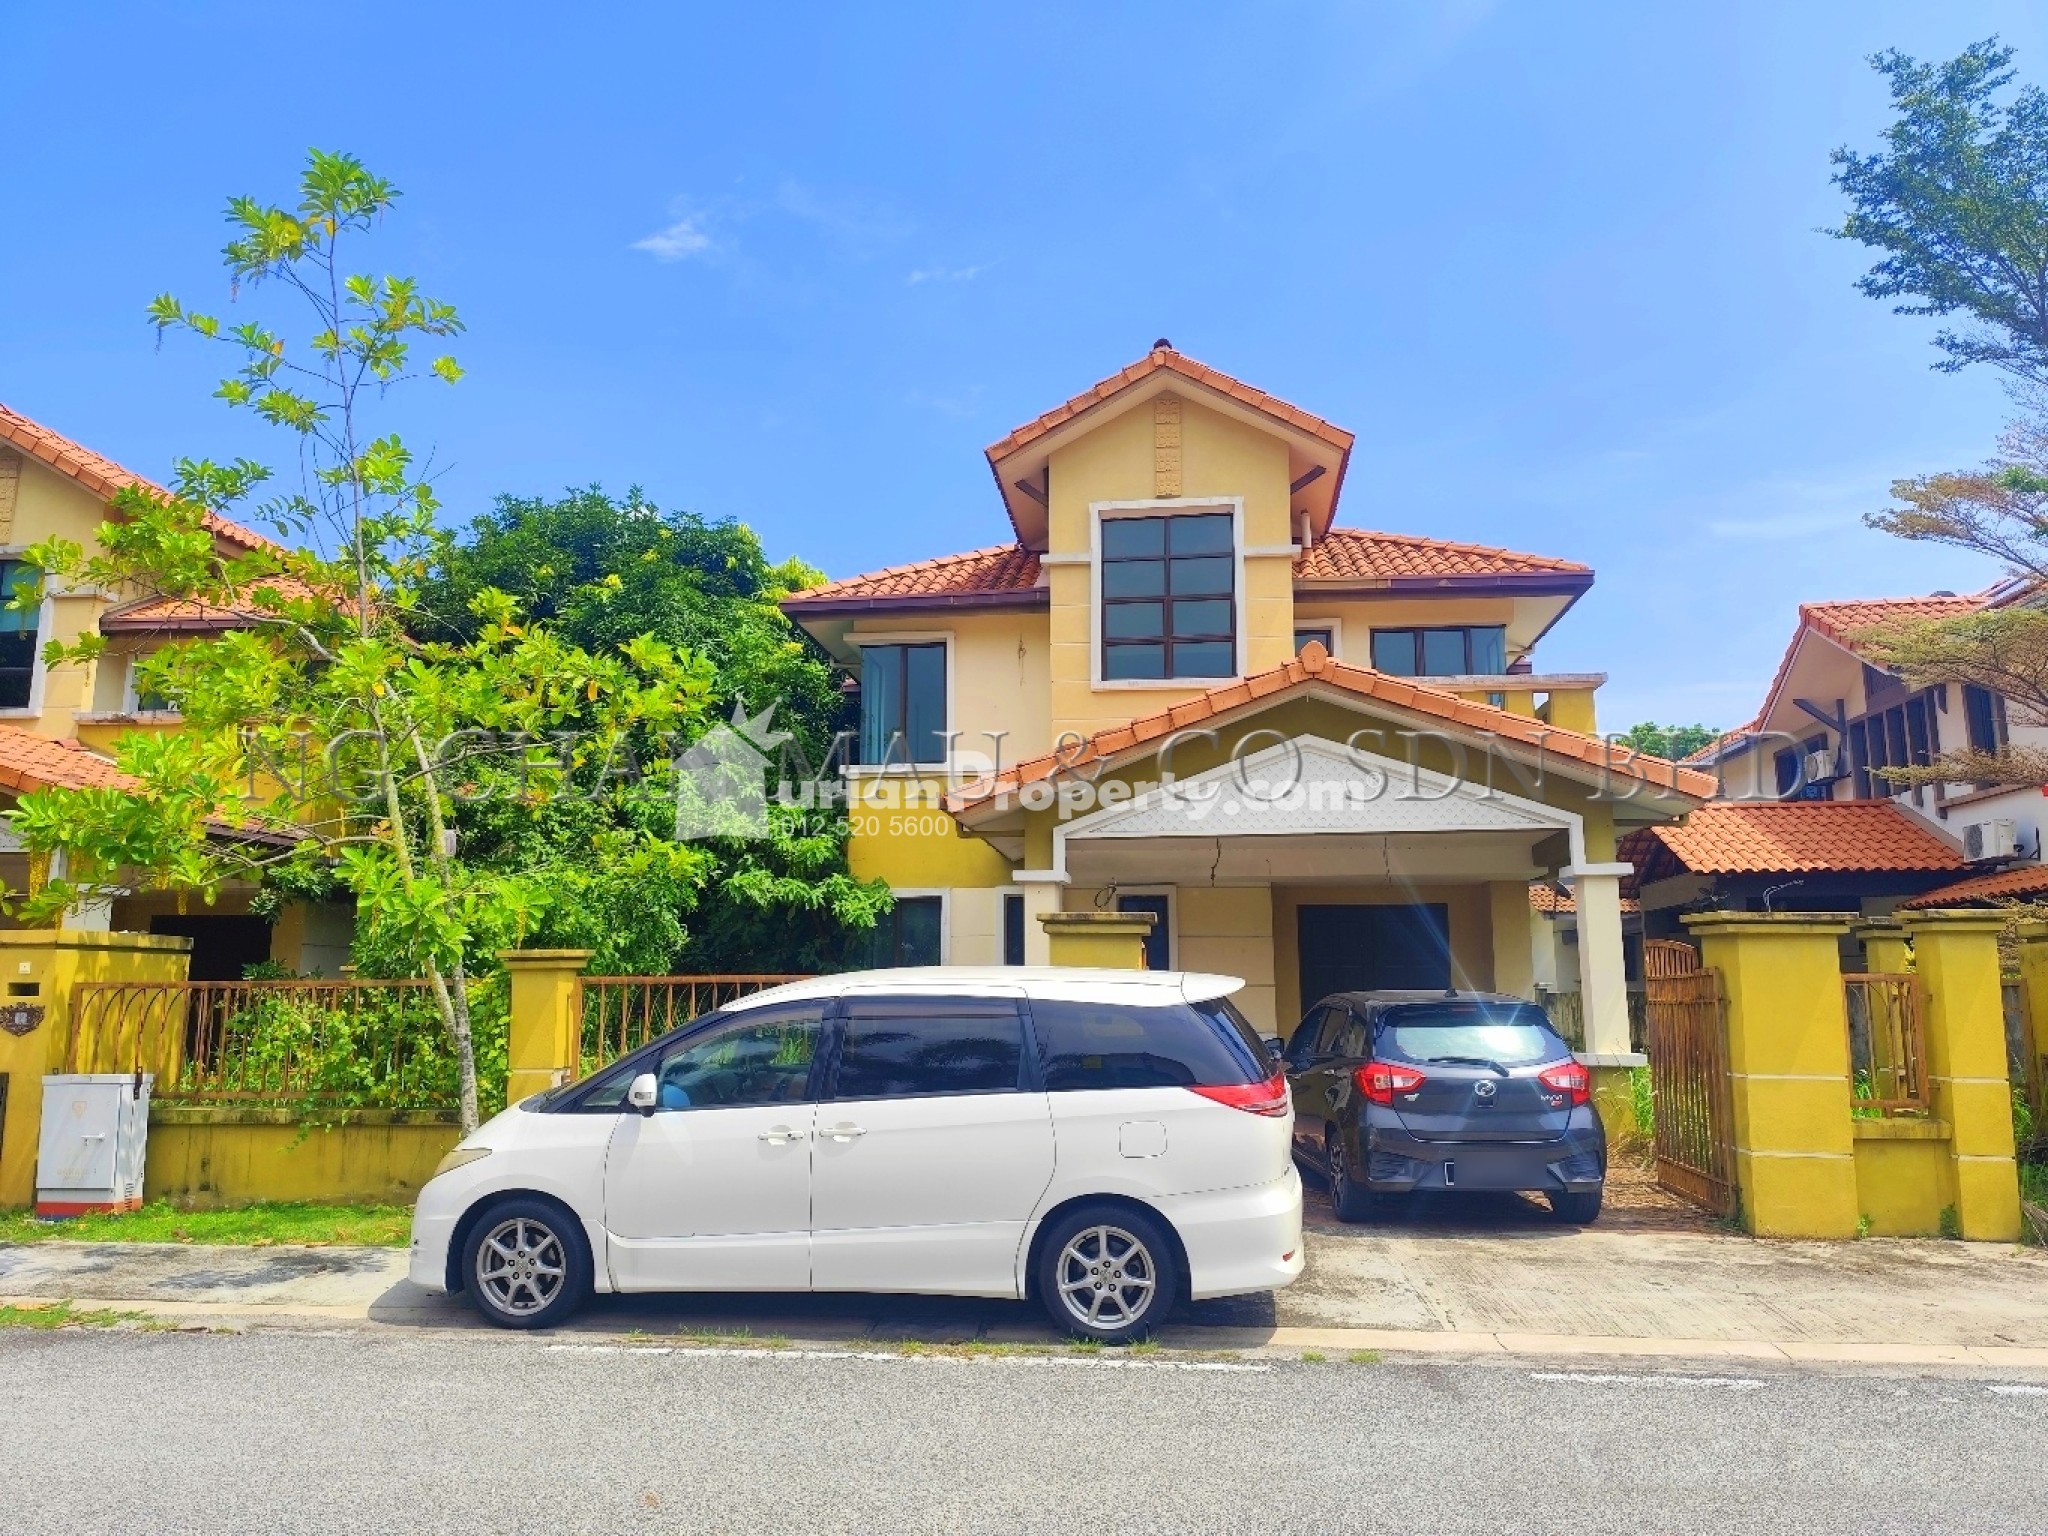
column 619, row 1014
column 1887, row 1044
column 362, row 1043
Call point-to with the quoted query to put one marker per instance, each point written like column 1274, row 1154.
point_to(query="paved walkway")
column 1467, row 1276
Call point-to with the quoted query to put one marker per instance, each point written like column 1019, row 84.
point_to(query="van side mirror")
column 643, row 1094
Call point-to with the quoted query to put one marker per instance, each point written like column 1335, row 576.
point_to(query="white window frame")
column 1334, row 623
column 945, row 895
column 1169, row 506
column 859, row 639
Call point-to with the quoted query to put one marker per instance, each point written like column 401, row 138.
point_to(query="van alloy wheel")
column 1106, row 1277
column 521, row 1266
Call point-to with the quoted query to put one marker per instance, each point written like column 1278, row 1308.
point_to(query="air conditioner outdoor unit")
column 1820, row 767
column 1989, row 840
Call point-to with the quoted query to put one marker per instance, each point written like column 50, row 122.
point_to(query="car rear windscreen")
column 1510, row 1037
column 1119, row 1045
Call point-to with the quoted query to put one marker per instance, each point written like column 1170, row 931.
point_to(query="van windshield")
column 1509, row 1036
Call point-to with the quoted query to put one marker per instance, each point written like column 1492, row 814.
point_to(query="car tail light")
column 1568, row 1077
column 1379, row 1081
column 1267, row 1098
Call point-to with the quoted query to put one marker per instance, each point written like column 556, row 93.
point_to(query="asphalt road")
column 355, row 1432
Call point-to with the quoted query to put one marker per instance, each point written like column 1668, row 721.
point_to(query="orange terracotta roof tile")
column 1315, row 666
column 178, row 614
column 993, row 573
column 30, row 762
column 2006, row 885
column 1360, row 554
column 1166, row 359
column 1791, row 837
column 1545, row 897
column 101, row 475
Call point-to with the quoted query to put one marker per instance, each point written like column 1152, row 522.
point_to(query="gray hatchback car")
column 1402, row 1091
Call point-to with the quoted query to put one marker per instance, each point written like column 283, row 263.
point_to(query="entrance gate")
column 1688, row 1049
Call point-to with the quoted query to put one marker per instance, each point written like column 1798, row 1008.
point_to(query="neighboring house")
column 1832, row 718
column 58, row 725
column 1178, row 596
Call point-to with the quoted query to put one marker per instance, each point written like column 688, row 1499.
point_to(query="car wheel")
column 1351, row 1201
column 1576, row 1209
column 526, row 1264
column 1108, row 1272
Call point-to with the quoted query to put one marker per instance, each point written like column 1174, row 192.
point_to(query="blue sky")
column 1557, row 266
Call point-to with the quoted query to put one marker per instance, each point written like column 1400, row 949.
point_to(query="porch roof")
column 1314, row 668
column 2029, row 880
column 1790, row 837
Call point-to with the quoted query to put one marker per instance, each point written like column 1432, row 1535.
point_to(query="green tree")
column 1668, row 741
column 327, row 674
column 1957, row 199
column 603, row 572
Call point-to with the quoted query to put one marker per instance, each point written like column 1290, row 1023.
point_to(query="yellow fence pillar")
column 1105, row 940
column 1887, row 948
column 1956, row 955
column 1788, row 1063
column 2034, row 1015
column 41, row 969
column 546, row 1023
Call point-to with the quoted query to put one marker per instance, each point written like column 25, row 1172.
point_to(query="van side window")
column 1352, row 1040
column 1124, row 1045
column 913, row 1047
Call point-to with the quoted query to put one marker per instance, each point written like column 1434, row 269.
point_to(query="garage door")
column 1370, row 948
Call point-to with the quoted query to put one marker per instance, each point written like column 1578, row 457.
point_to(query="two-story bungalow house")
column 1323, row 757
column 58, row 725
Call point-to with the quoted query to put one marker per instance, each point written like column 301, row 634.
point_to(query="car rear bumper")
column 1239, row 1240
column 1393, row 1162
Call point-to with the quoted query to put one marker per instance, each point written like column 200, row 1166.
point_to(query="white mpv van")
column 1111, row 1142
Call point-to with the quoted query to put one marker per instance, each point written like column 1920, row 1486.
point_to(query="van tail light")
column 1379, row 1081
column 1268, row 1098
column 1568, row 1077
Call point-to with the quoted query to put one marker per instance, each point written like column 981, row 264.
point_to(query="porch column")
column 1603, row 988
column 1956, row 956
column 1886, row 946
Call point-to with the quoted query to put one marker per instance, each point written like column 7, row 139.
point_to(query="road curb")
column 1284, row 1340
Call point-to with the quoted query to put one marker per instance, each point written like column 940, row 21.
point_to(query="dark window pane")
column 1443, row 652
column 1139, row 661
column 1321, row 637
column 1158, row 949
column 1980, row 717
column 1134, row 578
column 1916, row 731
column 925, row 702
column 1123, row 536
column 16, row 576
column 762, row 1057
column 1490, row 650
column 881, row 702
column 1117, row 1045
column 1895, row 740
column 1139, row 621
column 1393, row 651
column 904, row 1047
column 1204, row 658
column 1013, row 930
column 1208, row 534
column 1788, row 770
column 1205, row 616
column 1859, row 758
column 1202, row 576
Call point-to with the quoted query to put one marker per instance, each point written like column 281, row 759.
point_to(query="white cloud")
column 681, row 240
column 945, row 274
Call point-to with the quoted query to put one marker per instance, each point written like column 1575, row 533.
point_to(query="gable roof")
column 1789, row 837
column 1314, row 666
column 1007, row 575
column 101, row 475
column 1547, row 898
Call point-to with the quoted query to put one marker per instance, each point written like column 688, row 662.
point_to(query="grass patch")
column 1086, row 1346
column 48, row 1316
column 1313, row 1357
column 248, row 1226
column 1363, row 1357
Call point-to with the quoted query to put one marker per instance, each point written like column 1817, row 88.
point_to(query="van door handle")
column 843, row 1132
column 780, row 1136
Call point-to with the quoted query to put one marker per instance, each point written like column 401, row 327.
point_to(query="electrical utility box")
column 95, row 1132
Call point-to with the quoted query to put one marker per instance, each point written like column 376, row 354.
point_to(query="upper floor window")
column 1169, row 597
column 1471, row 650
column 1984, row 718
column 1323, row 635
column 17, row 637
column 903, row 704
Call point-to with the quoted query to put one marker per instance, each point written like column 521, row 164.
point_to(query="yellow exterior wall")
column 900, row 834
column 220, row 1157
column 1904, row 1176
column 50, row 505
column 1229, row 930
